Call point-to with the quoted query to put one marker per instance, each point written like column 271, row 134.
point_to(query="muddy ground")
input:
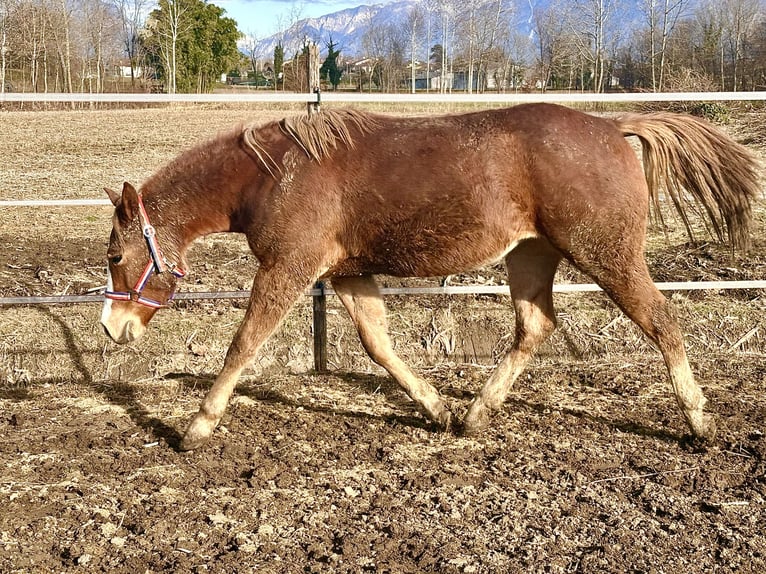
column 588, row 468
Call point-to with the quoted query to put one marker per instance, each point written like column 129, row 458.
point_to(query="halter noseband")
column 157, row 263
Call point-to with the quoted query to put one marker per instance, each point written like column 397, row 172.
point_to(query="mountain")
column 348, row 27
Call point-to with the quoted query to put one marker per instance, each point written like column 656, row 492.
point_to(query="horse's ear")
column 114, row 196
column 128, row 202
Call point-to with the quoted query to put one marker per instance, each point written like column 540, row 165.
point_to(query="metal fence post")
column 320, row 328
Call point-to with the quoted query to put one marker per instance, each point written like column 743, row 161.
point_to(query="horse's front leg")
column 274, row 292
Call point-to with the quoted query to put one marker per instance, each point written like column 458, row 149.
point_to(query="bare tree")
column 384, row 47
column 662, row 16
column 32, row 40
column 251, row 45
column 708, row 25
column 447, row 12
column 97, row 28
column 5, row 12
column 549, row 29
column 431, row 7
column 517, row 52
column 59, row 19
column 740, row 20
column 132, row 21
column 169, row 27
column 594, row 29
column 491, row 20
column 416, row 18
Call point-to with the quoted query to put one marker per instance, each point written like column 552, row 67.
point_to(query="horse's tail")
column 686, row 153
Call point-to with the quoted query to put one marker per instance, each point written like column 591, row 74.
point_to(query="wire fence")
column 97, row 295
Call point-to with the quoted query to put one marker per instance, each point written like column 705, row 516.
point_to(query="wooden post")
column 320, row 328
column 312, row 69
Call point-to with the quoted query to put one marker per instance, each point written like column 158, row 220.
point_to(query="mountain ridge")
column 347, row 27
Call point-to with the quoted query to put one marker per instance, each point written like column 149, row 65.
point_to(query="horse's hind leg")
column 633, row 290
column 531, row 268
column 361, row 297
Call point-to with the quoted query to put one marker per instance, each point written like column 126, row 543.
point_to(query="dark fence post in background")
column 320, row 328
column 320, row 299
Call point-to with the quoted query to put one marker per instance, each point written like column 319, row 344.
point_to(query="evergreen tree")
column 330, row 71
column 279, row 62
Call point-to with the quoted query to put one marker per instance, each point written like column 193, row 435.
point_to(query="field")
column 588, row 468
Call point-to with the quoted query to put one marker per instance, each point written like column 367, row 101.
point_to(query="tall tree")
column 98, row 39
column 414, row 23
column 59, row 20
column 594, row 28
column 330, row 71
column 192, row 43
column 167, row 23
column 132, row 19
column 487, row 20
column 740, row 20
column 279, row 63
column 549, row 25
column 447, row 12
column 385, row 48
column 5, row 13
column 251, row 45
column 662, row 16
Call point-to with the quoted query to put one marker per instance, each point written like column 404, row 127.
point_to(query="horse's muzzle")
column 123, row 333
column 123, row 336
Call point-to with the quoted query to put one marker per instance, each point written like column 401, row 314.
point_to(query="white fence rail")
column 356, row 97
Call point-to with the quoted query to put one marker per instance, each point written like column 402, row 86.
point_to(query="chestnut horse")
column 346, row 195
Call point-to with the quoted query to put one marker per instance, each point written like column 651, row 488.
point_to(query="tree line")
column 439, row 45
column 588, row 45
column 108, row 45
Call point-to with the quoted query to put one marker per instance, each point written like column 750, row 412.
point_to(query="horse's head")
column 139, row 278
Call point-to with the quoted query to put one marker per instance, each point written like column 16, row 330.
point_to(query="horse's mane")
column 317, row 134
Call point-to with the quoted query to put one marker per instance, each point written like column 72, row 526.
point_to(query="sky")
column 265, row 18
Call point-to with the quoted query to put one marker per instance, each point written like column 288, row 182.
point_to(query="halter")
column 157, row 263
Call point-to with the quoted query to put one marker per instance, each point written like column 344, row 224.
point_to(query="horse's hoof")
column 707, row 430
column 192, row 443
column 703, row 425
column 198, row 433
column 445, row 420
column 476, row 421
column 469, row 430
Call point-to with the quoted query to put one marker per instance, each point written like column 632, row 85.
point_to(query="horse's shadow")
column 625, row 426
column 375, row 384
column 367, row 383
column 116, row 393
column 124, row 395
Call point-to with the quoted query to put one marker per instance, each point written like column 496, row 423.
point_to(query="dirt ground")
column 588, row 468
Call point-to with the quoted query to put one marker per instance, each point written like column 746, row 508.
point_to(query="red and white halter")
column 157, row 263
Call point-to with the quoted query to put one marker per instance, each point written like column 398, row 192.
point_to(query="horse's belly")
column 421, row 257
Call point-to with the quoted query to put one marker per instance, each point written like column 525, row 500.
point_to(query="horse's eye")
column 116, row 259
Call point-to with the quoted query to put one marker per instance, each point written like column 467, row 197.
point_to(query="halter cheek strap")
column 157, row 263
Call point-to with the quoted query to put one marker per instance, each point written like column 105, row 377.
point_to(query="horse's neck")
column 189, row 207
